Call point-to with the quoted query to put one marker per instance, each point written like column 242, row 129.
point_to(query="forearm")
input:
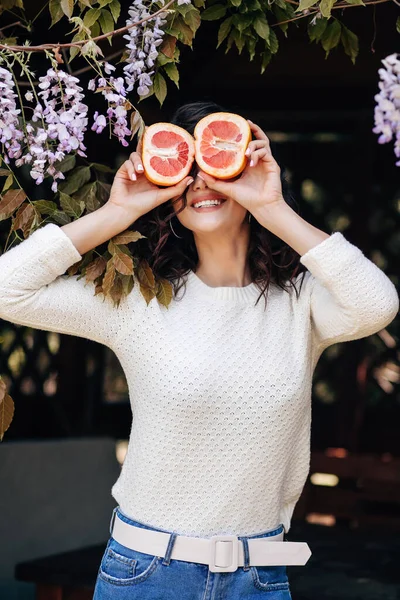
column 97, row 227
column 286, row 224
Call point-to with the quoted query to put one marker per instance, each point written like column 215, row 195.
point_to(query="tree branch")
column 79, row 43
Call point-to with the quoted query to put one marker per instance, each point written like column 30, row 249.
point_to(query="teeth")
column 207, row 203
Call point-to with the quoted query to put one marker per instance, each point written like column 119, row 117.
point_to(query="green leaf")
column 224, row 30
column 91, row 16
column 261, row 27
column 67, row 7
column 88, row 194
column 115, row 8
column 316, row 31
column 95, row 29
column 56, row 12
column 331, row 37
column 45, row 207
column 173, row 73
column 350, row 43
column 282, row 15
column 66, row 164
column 74, row 51
column 325, row 7
column 160, row 88
column 8, row 182
column 71, row 207
column 304, row 4
column 241, row 22
column 61, row 218
column 101, row 168
column 106, row 22
column 266, row 58
column 273, row 43
column 199, row 3
column 213, row 13
column 236, row 2
column 239, row 40
column 75, row 180
column 192, row 18
column 357, row 2
column 398, row 25
column 251, row 47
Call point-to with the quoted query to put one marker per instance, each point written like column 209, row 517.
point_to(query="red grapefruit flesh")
column 221, row 140
column 167, row 153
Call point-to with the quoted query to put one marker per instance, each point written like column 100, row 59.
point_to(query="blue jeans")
column 126, row 574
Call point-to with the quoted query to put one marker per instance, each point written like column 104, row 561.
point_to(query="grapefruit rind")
column 221, row 140
column 168, row 153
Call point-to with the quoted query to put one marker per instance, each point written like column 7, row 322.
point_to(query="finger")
column 258, row 132
column 174, row 190
column 136, row 161
column 257, row 156
column 223, row 187
column 255, row 145
column 130, row 170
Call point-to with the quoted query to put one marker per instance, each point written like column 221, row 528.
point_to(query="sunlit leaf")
column 160, row 88
column 164, row 292
column 9, row 202
column 172, row 72
column 127, row 236
column 6, row 414
column 67, row 7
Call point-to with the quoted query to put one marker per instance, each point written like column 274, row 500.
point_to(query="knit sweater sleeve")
column 34, row 293
column 350, row 297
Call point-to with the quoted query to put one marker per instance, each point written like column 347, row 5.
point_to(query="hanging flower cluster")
column 10, row 134
column 56, row 128
column 143, row 43
column 114, row 92
column 387, row 109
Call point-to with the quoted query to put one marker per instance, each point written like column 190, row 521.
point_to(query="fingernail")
column 133, row 177
column 252, row 163
column 201, row 177
column 190, row 181
column 247, row 152
column 140, row 167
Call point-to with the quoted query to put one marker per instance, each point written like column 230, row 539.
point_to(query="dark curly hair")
column 270, row 259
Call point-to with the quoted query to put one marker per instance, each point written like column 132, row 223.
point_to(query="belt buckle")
column 232, row 553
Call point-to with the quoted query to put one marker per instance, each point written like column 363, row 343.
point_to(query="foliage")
column 151, row 59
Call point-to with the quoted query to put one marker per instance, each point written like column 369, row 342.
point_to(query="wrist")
column 272, row 214
column 119, row 216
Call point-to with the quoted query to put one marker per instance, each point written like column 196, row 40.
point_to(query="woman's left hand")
column 259, row 185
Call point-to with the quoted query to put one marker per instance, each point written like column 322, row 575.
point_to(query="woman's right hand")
column 132, row 192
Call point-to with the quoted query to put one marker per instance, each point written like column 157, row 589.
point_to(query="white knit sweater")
column 220, row 389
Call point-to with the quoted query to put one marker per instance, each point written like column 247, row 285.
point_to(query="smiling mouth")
column 208, row 204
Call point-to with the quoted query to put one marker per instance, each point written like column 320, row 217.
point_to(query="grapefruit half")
column 221, row 140
column 167, row 153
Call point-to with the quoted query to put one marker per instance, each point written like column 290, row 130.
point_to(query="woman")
column 220, row 384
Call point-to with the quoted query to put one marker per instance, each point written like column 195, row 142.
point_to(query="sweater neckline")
column 234, row 295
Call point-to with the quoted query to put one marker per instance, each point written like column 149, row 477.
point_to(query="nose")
column 199, row 183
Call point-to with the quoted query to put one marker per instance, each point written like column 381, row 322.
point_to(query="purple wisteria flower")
column 114, row 92
column 387, row 109
column 143, row 43
column 57, row 126
column 11, row 135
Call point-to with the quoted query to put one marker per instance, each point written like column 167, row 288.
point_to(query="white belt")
column 222, row 553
